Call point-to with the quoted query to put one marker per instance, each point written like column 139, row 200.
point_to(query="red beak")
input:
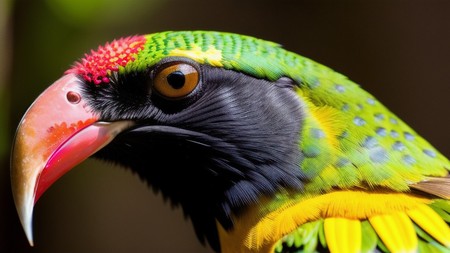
column 58, row 131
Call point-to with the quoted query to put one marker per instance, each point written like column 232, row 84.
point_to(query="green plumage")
column 265, row 150
column 367, row 144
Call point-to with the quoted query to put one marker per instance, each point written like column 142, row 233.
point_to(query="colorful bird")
column 263, row 149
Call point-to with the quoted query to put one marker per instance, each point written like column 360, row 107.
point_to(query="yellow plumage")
column 391, row 215
column 396, row 231
column 343, row 235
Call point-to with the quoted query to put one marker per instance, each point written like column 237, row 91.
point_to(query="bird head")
column 216, row 122
column 199, row 116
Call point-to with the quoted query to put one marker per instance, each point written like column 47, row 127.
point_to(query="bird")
column 263, row 149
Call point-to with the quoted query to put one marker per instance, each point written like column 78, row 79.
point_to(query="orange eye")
column 176, row 81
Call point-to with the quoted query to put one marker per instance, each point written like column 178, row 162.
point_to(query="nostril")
column 73, row 97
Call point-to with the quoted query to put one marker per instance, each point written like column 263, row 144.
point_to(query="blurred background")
column 397, row 50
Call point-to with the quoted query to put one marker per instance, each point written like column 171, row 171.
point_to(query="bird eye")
column 176, row 81
column 73, row 97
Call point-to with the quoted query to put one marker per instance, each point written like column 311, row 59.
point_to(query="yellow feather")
column 330, row 121
column 348, row 204
column 396, row 231
column 258, row 231
column 432, row 223
column 260, row 228
column 343, row 235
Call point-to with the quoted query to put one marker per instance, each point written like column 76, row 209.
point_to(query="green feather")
column 374, row 146
column 369, row 239
column 304, row 239
column 428, row 244
column 348, row 138
column 442, row 207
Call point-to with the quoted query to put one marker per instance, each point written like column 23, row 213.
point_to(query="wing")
column 424, row 229
column 348, row 138
column 364, row 164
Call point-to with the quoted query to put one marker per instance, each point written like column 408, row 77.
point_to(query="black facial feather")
column 215, row 152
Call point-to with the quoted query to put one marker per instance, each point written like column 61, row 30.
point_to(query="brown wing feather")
column 438, row 186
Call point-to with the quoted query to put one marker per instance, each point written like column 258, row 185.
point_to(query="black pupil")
column 176, row 79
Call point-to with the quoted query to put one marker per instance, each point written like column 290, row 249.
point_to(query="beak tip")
column 28, row 227
column 30, row 238
column 26, row 218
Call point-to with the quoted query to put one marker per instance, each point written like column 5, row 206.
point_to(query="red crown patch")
column 98, row 65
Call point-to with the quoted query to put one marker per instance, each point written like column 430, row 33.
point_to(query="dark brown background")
column 397, row 50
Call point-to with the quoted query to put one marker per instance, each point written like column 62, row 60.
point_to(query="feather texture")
column 418, row 230
column 306, row 158
column 437, row 186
